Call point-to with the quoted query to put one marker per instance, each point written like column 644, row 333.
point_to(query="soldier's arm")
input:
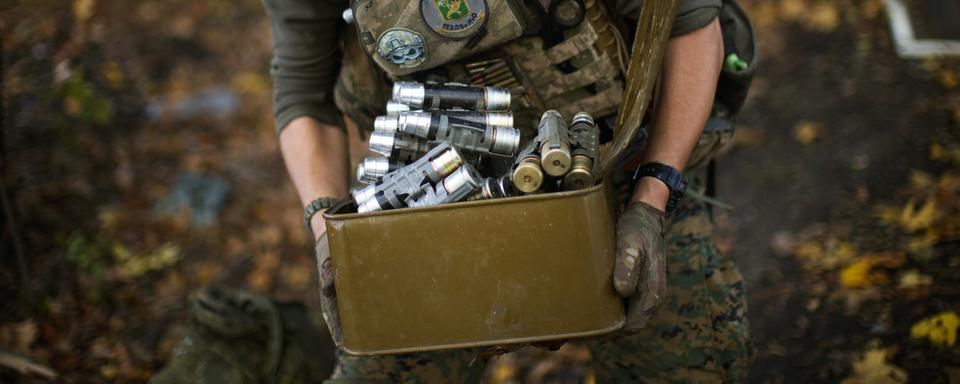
column 305, row 65
column 691, row 67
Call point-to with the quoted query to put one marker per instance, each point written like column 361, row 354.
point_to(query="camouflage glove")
column 328, row 293
column 640, row 271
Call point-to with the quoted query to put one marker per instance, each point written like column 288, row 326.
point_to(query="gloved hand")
column 640, row 271
column 328, row 293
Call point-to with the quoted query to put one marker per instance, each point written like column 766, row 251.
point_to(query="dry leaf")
column 807, row 132
column 920, row 180
column 913, row 219
column 862, row 273
column 824, row 17
column 82, row 9
column 913, row 279
column 940, row 329
column 792, row 9
column 825, row 255
column 948, row 79
column 873, row 368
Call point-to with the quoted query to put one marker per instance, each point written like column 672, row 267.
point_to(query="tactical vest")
column 569, row 56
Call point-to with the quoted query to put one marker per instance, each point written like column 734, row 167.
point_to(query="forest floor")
column 140, row 163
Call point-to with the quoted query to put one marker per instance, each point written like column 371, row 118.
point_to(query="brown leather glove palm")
column 328, row 293
column 640, row 271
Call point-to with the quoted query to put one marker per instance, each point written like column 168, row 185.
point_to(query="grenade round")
column 458, row 186
column 372, row 169
column 527, row 175
column 451, row 96
column 395, row 188
column 494, row 118
column 555, row 149
column 446, row 163
column 394, row 107
column 361, row 195
column 504, row 141
column 466, row 131
column 495, row 188
column 397, row 146
column 580, row 175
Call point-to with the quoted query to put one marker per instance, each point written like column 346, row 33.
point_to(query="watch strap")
column 668, row 175
column 317, row 205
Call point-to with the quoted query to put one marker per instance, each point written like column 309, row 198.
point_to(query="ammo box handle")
column 649, row 43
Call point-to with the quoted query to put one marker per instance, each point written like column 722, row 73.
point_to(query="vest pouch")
column 738, row 39
column 404, row 37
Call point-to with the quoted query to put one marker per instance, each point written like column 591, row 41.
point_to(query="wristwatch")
column 668, row 175
column 315, row 206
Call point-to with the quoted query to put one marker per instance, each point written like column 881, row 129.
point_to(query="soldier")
column 570, row 55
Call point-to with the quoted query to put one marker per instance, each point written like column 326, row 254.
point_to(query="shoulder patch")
column 402, row 47
column 454, row 19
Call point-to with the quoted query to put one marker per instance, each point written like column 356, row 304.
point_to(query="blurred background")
column 139, row 163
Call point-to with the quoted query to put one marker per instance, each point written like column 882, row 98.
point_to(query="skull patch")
column 402, row 47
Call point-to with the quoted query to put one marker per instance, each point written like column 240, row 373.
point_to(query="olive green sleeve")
column 691, row 14
column 306, row 58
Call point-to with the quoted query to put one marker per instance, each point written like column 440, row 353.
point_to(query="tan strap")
column 649, row 44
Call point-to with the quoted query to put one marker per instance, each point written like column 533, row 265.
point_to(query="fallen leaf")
column 82, row 9
column 824, row 17
column 807, row 132
column 862, row 273
column 940, row 330
column 920, row 180
column 825, row 255
column 873, row 368
column 914, row 218
column 792, row 9
column 913, row 279
column 948, row 79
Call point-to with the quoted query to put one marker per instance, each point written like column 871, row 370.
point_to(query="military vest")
column 570, row 58
column 569, row 55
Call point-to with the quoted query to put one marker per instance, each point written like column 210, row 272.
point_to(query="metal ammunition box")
column 492, row 272
column 477, row 273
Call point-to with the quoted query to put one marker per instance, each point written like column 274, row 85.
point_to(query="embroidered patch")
column 454, row 19
column 402, row 47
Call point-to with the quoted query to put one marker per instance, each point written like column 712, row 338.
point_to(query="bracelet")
column 315, row 206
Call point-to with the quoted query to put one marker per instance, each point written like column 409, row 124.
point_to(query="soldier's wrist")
column 318, row 225
column 652, row 192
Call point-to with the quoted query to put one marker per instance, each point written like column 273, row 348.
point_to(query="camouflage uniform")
column 699, row 332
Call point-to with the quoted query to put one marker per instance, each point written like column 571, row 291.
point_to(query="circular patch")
column 454, row 19
column 402, row 47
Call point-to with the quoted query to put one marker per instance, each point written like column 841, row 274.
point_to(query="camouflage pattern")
column 455, row 366
column 640, row 272
column 699, row 332
column 328, row 293
column 547, row 86
column 236, row 337
column 361, row 90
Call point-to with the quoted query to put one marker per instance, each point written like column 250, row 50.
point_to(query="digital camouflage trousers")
column 699, row 332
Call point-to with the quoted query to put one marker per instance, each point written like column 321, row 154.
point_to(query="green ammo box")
column 480, row 273
column 492, row 272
